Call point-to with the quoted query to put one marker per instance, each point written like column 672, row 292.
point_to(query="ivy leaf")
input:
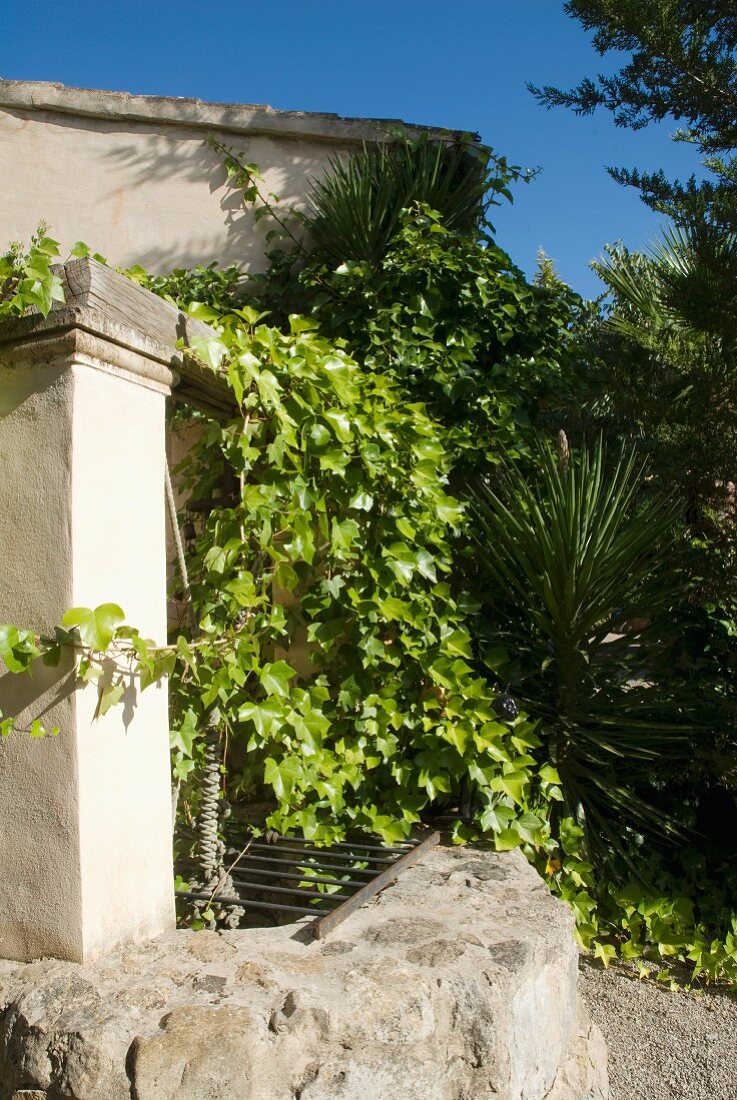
column 187, row 656
column 18, row 648
column 605, row 952
column 394, row 609
column 282, row 776
column 362, row 501
column 275, row 677
column 340, row 423
column 506, row 840
column 390, row 830
column 96, row 627
column 548, row 774
column 458, row 643
column 182, row 737
column 319, row 434
column 209, row 349
column 514, row 784
column 529, row 826
column 110, row 696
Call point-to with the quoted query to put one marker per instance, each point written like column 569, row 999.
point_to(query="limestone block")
column 583, row 1075
column 457, row 983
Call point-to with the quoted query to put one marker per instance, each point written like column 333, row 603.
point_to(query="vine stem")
column 273, row 212
column 263, row 199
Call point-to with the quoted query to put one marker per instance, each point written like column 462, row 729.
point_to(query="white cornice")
column 234, row 118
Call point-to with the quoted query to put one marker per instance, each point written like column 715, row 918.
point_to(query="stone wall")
column 458, row 983
column 134, row 177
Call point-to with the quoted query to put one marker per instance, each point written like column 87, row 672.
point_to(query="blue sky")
column 461, row 64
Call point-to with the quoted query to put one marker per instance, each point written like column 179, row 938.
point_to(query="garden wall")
column 134, row 177
column 457, row 983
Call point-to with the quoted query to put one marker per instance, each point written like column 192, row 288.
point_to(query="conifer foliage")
column 682, row 66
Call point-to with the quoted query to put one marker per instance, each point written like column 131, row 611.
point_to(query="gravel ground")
column 663, row 1045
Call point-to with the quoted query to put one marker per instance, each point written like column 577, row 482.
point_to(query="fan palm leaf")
column 685, row 284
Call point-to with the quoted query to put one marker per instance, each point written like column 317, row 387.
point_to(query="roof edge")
column 31, row 95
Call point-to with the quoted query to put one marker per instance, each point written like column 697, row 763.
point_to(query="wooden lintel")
column 99, row 298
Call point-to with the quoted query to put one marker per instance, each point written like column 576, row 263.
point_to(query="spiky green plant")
column 684, row 286
column 356, row 208
column 577, row 572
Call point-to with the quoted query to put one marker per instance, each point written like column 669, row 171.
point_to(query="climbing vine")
column 335, row 546
column 348, row 682
column 26, row 277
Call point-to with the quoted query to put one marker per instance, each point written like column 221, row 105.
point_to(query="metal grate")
column 283, row 878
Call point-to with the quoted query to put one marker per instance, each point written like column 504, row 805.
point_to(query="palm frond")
column 356, row 208
column 686, row 284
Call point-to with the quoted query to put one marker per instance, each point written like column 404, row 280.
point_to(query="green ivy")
column 660, row 914
column 333, row 631
column 337, row 542
column 26, row 277
column 105, row 650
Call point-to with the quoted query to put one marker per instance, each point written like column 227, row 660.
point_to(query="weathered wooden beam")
column 100, row 299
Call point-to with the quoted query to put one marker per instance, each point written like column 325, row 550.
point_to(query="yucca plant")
column 356, row 208
column 576, row 565
column 685, row 285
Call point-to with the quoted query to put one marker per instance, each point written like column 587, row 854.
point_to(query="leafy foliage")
column 221, row 288
column 104, row 650
column 679, row 909
column 419, row 321
column 580, row 624
column 459, row 328
column 572, row 564
column 334, row 555
column 333, row 632
column 686, row 285
column 357, row 208
column 439, row 307
column 26, row 278
column 664, row 376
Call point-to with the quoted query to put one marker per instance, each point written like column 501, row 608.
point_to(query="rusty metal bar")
column 268, row 888
column 320, row 852
column 328, row 909
column 315, row 866
column 325, row 924
column 217, row 899
column 294, row 877
column 347, row 844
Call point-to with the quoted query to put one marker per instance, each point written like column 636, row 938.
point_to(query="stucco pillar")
column 85, row 817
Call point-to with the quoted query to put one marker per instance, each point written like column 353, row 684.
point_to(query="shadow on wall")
column 37, row 693
column 287, row 167
column 149, row 192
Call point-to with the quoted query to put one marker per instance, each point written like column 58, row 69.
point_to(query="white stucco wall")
column 134, row 178
column 85, row 817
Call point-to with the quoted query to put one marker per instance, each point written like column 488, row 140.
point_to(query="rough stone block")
column 457, row 983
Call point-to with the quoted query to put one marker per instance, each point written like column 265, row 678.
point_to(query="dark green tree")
column 575, row 570
column 665, row 364
column 682, row 66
